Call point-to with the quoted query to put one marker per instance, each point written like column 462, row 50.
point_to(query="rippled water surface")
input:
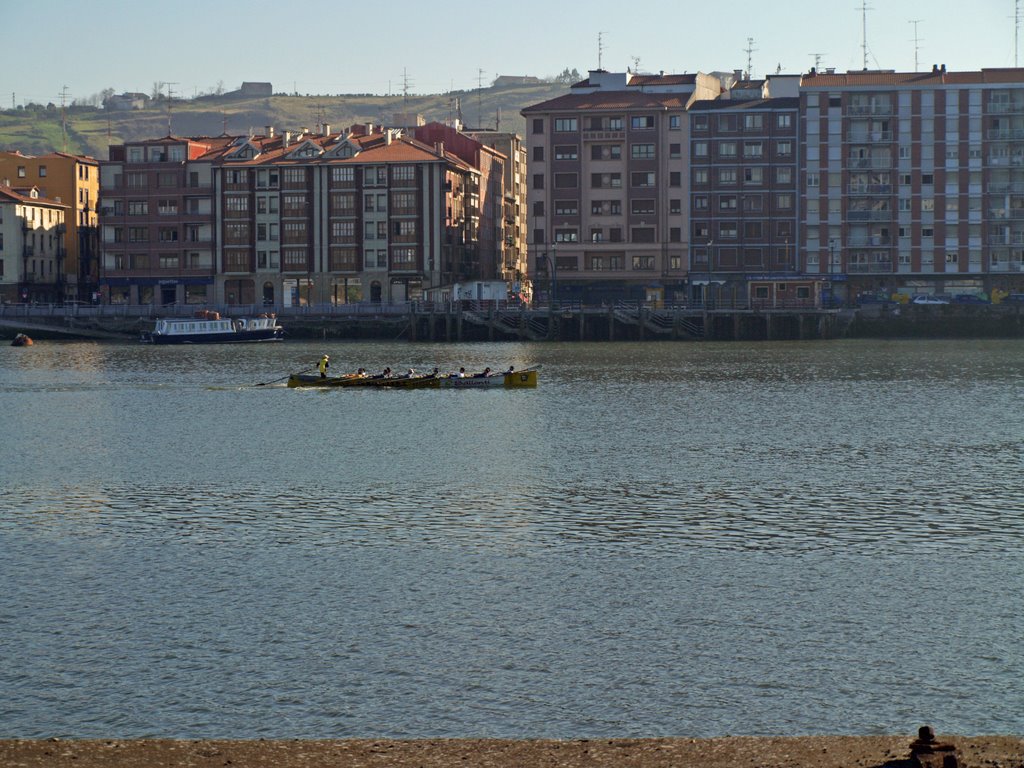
column 661, row 539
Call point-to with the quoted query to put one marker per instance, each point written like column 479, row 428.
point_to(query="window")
column 566, row 181
column 538, row 208
column 538, row 125
column 21, row 172
column 674, row 122
column 675, row 206
column 784, row 148
column 606, row 207
column 675, row 179
column 753, row 149
column 169, row 262
column 813, row 180
column 566, row 236
column 727, row 202
column 784, row 175
column 700, row 202
column 700, row 122
column 643, row 262
column 138, row 207
column 927, row 178
column 606, row 180
column 345, row 175
column 642, row 151
column 675, row 235
column 904, row 204
column 565, row 152
column 566, row 208
column 927, row 232
column 538, row 154
column 642, row 207
column 641, row 122
column 727, row 229
column 675, row 150
column 606, row 152
column 752, row 176
column 642, row 179
column 538, row 181
column 784, row 121
column 727, row 149
column 42, row 171
column 784, row 202
column 752, row 122
column 927, row 204
column 642, row 234
column 752, row 230
column 700, row 176
column 566, row 124
column 700, row 149
column 726, row 175
column 403, row 173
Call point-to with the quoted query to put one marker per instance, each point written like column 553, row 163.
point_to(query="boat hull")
column 230, row 337
column 519, row 380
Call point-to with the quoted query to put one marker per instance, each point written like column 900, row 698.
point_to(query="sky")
column 328, row 47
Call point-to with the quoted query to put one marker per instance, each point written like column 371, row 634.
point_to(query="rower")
column 323, row 365
column 483, row 374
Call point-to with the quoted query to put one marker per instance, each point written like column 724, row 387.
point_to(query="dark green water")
column 661, row 539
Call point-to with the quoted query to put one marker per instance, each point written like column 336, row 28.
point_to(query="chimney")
column 327, row 129
column 738, row 74
column 389, row 136
column 287, row 138
column 439, row 148
column 269, row 132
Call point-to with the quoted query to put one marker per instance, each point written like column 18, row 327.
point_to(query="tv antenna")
column 750, row 57
column 864, row 29
column 170, row 98
column 64, row 115
column 479, row 98
column 600, row 49
column 1016, row 30
column 917, row 42
column 817, row 60
column 406, row 83
column 636, row 65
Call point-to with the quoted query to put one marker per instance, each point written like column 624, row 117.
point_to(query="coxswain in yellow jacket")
column 323, row 365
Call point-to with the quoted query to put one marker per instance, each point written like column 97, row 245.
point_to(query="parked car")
column 925, row 299
column 969, row 298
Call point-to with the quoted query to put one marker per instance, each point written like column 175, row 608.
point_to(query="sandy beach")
column 728, row 752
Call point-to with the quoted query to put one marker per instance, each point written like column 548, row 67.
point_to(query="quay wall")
column 558, row 323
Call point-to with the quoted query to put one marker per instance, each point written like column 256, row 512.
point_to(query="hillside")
column 90, row 130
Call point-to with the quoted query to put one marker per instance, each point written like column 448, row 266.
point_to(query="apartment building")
column 914, row 181
column 608, row 184
column 514, row 266
column 743, row 204
column 157, row 221
column 292, row 218
column 74, row 181
column 32, row 251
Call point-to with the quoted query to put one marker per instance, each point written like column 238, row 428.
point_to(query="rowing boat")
column 516, row 380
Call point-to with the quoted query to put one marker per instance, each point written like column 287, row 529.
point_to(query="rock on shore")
column 728, row 752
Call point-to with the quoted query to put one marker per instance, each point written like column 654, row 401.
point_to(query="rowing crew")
column 387, row 373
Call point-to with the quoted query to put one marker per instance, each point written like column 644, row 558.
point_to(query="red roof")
column 17, row 197
column 936, row 77
column 611, row 100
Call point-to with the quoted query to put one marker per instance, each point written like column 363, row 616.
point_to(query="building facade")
column 514, row 266
column 295, row 218
column 914, row 182
column 32, row 252
column 608, row 186
column 75, row 181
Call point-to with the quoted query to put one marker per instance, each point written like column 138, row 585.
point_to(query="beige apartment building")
column 75, row 181
column 32, row 253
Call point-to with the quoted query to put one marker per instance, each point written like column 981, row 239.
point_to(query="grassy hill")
column 90, row 130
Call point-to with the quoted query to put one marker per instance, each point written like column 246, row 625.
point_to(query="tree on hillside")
column 568, row 76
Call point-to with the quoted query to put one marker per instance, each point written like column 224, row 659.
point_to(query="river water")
column 661, row 539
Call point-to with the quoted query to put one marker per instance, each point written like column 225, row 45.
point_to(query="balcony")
column 604, row 135
column 885, row 215
column 1004, row 108
column 869, row 189
column 1006, row 134
column 1005, row 214
column 870, row 241
column 868, row 109
column 868, row 163
column 870, row 267
column 869, row 137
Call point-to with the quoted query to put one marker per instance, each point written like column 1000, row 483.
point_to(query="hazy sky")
column 328, row 47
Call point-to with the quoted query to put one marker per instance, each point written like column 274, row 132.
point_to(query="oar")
column 264, row 383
